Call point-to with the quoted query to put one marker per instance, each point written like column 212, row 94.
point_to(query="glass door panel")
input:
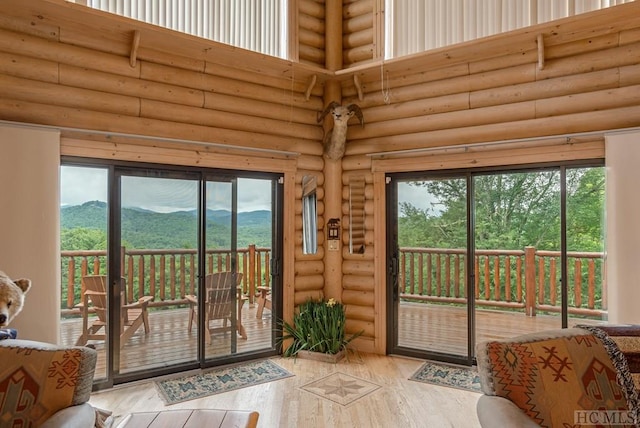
column 239, row 230
column 222, row 302
column 83, row 243
column 159, row 269
column 432, row 307
column 586, row 294
column 517, row 266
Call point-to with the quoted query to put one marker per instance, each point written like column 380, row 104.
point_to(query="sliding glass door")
column 480, row 255
column 184, row 270
column 431, row 310
column 158, row 255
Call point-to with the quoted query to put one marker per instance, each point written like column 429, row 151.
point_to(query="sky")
column 82, row 184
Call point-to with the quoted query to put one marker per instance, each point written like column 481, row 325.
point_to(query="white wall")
column 30, row 225
column 623, row 226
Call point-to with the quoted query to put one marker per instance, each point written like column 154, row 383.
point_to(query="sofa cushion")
column 550, row 378
column 37, row 380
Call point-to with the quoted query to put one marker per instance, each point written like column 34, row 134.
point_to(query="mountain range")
column 142, row 228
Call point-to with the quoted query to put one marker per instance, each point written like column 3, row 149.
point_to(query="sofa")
column 555, row 378
column 45, row 385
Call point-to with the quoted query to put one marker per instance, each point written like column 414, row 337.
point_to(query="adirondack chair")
column 133, row 315
column 220, row 290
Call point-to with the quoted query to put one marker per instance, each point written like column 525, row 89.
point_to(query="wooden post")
column 530, row 280
column 333, row 168
column 252, row 272
column 71, row 282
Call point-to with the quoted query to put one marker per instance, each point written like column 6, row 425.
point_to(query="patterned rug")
column 460, row 377
column 340, row 388
column 215, row 381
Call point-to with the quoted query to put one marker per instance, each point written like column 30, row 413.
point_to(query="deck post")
column 252, row 273
column 530, row 281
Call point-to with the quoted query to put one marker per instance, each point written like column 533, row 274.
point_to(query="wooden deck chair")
column 133, row 315
column 220, row 291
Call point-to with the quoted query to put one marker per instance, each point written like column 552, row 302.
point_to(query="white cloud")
column 82, row 184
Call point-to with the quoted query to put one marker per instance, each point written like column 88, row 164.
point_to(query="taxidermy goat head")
column 335, row 139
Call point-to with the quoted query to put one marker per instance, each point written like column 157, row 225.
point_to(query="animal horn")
column 331, row 106
column 354, row 108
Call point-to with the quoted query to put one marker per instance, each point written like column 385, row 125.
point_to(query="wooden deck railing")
column 526, row 279
column 167, row 274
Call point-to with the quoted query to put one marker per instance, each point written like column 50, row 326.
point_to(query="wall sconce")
column 333, row 233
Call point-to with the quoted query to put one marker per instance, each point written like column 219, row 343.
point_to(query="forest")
column 84, row 227
column 512, row 212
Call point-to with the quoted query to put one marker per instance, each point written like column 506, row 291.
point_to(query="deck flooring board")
column 428, row 327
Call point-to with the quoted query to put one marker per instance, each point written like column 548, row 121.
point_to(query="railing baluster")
column 172, row 276
column 519, row 279
column 476, row 266
column 402, row 272
column 163, row 277
column 457, row 274
column 420, row 273
column 487, row 276
column 96, row 265
column 183, row 275
column 141, row 277
column 152, row 275
column 552, row 282
column 530, row 280
column 429, row 275
column 71, row 280
column 591, row 283
column 252, row 268
column 447, row 278
column 541, row 275
column 412, row 278
column 507, row 278
column 577, row 283
column 130, row 275
column 496, row 278
column 438, row 275
column 192, row 274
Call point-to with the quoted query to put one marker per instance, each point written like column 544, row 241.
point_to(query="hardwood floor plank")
column 398, row 402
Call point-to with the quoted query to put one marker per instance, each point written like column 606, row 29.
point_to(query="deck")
column 170, row 342
column 429, row 327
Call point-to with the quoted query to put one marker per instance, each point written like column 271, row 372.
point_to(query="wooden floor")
column 399, row 402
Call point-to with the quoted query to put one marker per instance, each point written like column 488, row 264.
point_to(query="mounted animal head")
column 334, row 141
column 341, row 113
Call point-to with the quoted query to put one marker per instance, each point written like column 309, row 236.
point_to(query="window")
column 419, row 25
column 255, row 25
column 309, row 215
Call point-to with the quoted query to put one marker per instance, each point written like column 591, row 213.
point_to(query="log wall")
column 311, row 32
column 493, row 90
column 210, row 104
column 358, row 40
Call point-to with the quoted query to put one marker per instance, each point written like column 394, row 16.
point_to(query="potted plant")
column 318, row 331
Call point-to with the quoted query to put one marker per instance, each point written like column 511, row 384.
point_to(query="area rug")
column 340, row 388
column 219, row 380
column 460, row 377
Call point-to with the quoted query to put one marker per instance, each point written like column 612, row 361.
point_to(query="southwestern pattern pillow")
column 36, row 383
column 550, row 379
